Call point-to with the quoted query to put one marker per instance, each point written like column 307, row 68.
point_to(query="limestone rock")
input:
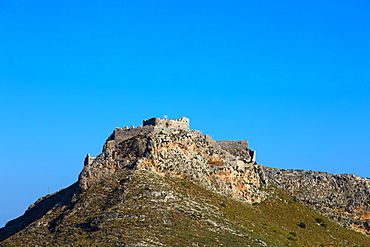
column 344, row 198
column 179, row 152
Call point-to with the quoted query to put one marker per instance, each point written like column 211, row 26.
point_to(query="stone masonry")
column 182, row 123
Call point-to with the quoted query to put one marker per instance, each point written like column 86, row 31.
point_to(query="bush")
column 291, row 238
column 302, row 225
column 319, row 220
column 294, row 234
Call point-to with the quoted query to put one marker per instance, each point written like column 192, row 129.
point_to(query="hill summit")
column 168, row 147
column 164, row 184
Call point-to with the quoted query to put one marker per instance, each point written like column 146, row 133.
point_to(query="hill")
column 163, row 184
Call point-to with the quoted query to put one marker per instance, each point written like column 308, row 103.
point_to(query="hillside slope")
column 143, row 208
column 162, row 186
column 345, row 198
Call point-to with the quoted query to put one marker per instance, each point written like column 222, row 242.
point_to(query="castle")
column 150, row 125
column 167, row 125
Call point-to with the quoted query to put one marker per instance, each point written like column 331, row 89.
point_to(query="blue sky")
column 292, row 77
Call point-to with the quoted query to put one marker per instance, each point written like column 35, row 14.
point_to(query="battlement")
column 182, row 123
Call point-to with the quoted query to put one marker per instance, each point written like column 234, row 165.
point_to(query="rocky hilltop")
column 177, row 151
column 344, row 198
column 163, row 184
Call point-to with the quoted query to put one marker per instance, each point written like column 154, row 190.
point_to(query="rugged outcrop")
column 180, row 152
column 344, row 198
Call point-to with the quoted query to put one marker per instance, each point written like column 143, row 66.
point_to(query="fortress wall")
column 234, row 144
column 239, row 148
column 182, row 123
column 152, row 121
column 209, row 139
column 121, row 134
column 154, row 124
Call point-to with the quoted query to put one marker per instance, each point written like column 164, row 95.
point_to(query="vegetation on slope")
column 138, row 207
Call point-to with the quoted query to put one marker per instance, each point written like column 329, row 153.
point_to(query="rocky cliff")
column 344, row 198
column 181, row 153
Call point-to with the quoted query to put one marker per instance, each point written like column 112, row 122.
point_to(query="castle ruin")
column 153, row 124
column 181, row 123
column 169, row 126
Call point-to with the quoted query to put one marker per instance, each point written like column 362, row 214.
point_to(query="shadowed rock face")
column 344, row 198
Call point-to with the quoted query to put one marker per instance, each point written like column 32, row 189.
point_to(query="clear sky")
column 292, row 77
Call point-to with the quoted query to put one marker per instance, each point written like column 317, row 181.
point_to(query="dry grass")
column 216, row 161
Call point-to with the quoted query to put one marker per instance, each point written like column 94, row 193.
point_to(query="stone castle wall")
column 121, row 134
column 234, row 144
column 239, row 148
column 182, row 123
column 153, row 124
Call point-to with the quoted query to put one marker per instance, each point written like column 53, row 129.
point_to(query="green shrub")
column 319, row 220
column 291, row 238
column 302, row 225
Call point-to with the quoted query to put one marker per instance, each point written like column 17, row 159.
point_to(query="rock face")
column 179, row 152
column 344, row 198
